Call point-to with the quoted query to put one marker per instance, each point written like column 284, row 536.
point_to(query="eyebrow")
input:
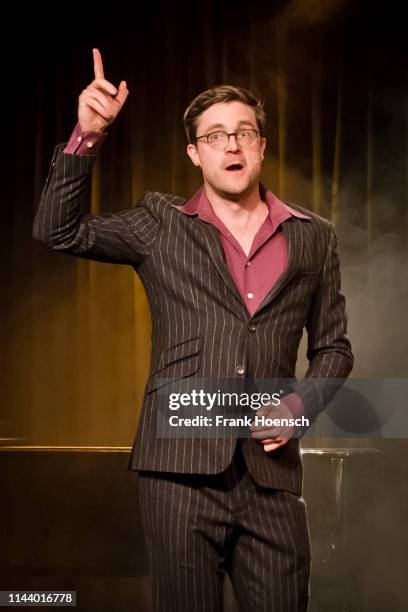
column 221, row 125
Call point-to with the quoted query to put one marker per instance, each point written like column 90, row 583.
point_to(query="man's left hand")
column 271, row 436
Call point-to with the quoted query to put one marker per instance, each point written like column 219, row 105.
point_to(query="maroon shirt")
column 254, row 274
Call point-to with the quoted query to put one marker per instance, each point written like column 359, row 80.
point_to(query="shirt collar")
column 199, row 205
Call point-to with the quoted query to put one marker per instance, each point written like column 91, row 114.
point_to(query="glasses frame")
column 229, row 134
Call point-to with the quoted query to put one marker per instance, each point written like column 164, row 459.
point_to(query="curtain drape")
column 75, row 334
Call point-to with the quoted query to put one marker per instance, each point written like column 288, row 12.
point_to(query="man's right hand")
column 100, row 102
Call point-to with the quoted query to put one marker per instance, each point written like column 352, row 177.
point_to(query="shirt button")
column 250, row 295
column 240, row 370
column 248, row 263
column 252, row 327
column 79, row 139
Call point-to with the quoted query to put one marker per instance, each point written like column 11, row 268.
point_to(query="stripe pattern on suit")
column 214, row 505
column 200, row 326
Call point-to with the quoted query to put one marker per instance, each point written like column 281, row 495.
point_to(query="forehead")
column 226, row 114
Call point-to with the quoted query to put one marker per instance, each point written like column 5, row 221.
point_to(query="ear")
column 193, row 154
column 263, row 145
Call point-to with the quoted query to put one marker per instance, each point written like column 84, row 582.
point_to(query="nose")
column 232, row 144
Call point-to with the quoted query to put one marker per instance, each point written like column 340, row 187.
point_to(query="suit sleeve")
column 329, row 350
column 60, row 224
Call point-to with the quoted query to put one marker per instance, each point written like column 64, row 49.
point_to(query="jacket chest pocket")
column 179, row 361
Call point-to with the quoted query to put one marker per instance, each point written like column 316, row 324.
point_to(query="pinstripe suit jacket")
column 200, row 325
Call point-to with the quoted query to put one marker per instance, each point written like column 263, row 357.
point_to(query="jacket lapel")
column 208, row 236
column 292, row 230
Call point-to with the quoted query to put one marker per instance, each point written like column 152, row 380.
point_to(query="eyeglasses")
column 219, row 140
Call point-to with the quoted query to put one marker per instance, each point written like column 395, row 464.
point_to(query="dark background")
column 333, row 76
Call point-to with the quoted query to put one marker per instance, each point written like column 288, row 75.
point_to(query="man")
column 232, row 277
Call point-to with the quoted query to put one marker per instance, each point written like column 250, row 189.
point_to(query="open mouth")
column 234, row 167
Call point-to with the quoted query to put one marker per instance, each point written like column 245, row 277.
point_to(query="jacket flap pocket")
column 174, row 371
column 182, row 350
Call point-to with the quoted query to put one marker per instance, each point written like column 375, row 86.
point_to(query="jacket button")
column 240, row 370
column 252, row 327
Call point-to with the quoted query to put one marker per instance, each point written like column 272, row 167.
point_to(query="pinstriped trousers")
column 199, row 527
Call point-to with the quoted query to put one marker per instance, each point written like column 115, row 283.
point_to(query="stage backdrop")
column 75, row 334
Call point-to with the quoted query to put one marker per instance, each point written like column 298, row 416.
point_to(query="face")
column 233, row 171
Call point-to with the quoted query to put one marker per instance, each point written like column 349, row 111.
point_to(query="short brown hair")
column 221, row 93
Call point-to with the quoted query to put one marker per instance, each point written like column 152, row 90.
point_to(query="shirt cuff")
column 84, row 143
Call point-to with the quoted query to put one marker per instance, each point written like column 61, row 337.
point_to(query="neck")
column 240, row 208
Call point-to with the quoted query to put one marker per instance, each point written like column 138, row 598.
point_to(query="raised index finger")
column 98, row 65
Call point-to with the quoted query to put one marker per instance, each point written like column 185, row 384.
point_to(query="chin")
column 236, row 190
